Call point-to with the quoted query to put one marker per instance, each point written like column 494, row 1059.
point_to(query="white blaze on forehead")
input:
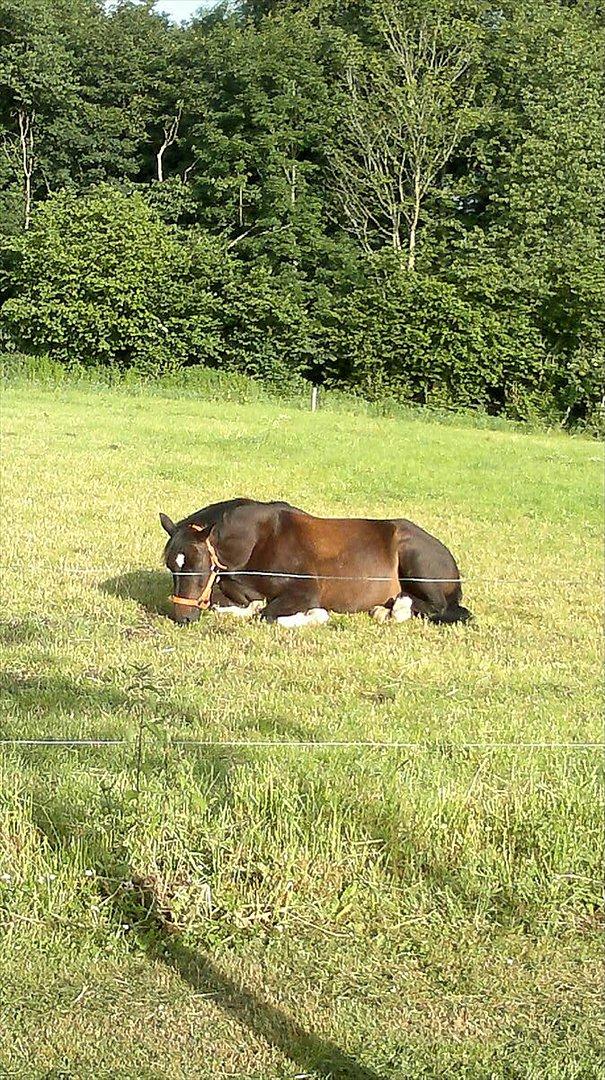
column 179, row 559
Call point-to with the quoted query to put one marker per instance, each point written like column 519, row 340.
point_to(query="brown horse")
column 242, row 555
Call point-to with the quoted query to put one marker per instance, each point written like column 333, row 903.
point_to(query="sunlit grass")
column 428, row 910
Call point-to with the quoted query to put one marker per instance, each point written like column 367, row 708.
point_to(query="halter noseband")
column 216, row 566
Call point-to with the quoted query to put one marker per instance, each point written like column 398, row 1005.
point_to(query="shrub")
column 415, row 338
column 100, row 278
column 101, row 281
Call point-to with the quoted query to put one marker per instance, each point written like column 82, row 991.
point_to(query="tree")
column 26, row 121
column 530, row 238
column 36, row 89
column 258, row 110
column 171, row 132
column 311, row 154
column 101, row 279
column 83, row 92
column 405, row 116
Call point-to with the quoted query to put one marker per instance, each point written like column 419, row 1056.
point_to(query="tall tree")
column 406, row 114
column 533, row 235
column 258, row 110
column 83, row 92
column 37, row 91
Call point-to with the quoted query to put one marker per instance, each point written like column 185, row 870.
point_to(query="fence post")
column 313, row 399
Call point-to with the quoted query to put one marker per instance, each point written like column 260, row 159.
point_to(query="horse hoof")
column 317, row 616
column 402, row 609
column 380, row 614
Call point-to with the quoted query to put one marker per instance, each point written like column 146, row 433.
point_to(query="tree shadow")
column 310, row 1052
column 138, row 902
column 116, row 709
column 49, row 694
column 21, row 630
column 94, row 695
column 85, row 821
column 149, row 588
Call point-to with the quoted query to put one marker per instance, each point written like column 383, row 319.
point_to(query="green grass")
column 426, row 911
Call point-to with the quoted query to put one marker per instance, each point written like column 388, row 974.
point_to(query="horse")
column 246, row 557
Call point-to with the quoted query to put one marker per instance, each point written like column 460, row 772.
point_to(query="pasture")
column 173, row 910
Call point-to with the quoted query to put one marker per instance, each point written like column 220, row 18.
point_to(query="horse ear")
column 167, row 524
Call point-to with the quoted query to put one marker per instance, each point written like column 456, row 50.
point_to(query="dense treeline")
column 401, row 196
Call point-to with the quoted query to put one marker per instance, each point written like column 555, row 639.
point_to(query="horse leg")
column 402, row 608
column 428, row 571
column 253, row 608
column 435, row 606
column 240, row 607
column 441, row 610
column 296, row 607
column 398, row 610
column 432, row 603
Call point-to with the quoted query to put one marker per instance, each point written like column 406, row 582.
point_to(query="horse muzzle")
column 186, row 609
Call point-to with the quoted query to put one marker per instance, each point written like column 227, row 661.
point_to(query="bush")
column 416, row 339
column 101, row 279
column 267, row 332
column 98, row 278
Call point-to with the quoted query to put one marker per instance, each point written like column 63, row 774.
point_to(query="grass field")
column 171, row 911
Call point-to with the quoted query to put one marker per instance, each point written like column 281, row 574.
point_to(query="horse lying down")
column 246, row 558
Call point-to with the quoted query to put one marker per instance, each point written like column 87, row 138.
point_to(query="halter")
column 216, row 566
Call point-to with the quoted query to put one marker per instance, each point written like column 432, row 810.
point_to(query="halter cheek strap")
column 216, row 566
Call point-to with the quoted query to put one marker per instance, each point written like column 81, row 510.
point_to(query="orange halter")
column 216, row 566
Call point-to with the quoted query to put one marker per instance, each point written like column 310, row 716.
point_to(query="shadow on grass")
column 306, row 1049
column 150, row 589
column 309, row 1052
column 137, row 902
column 17, row 630
column 54, row 706
column 110, row 710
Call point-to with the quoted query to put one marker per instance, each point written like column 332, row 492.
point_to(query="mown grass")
column 176, row 911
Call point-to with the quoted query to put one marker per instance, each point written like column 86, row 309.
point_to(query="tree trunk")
column 290, row 175
column 26, row 136
column 159, row 156
column 414, row 222
column 170, row 136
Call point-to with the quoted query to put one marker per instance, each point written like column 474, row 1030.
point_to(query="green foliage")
column 94, row 83
column 100, row 279
column 259, row 105
column 418, row 340
column 262, row 250
column 411, row 100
